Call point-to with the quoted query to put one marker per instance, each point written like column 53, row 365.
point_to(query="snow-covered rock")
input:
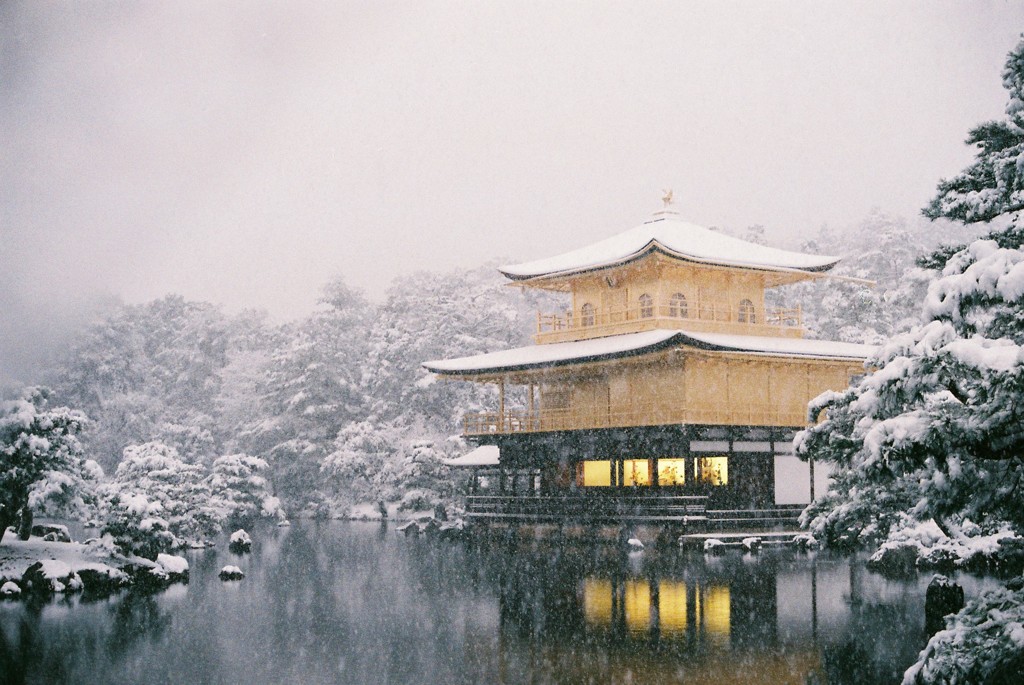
column 10, row 589
column 240, row 542
column 99, row 577
column 49, row 576
column 231, row 573
column 175, row 567
column 284, row 524
column 635, row 545
column 752, row 544
column 713, row 546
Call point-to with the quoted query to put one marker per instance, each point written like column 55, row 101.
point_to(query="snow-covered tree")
column 311, row 390
column 935, row 432
column 240, row 490
column 156, row 494
column 41, row 457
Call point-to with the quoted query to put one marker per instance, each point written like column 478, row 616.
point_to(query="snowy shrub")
column 240, row 490
column 983, row 643
column 136, row 527
column 156, row 495
column 423, row 478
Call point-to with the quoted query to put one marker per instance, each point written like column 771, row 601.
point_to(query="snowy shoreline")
column 40, row 567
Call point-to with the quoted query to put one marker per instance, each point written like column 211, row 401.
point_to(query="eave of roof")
column 554, row 355
column 677, row 239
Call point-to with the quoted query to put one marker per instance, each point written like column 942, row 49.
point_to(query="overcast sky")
column 247, row 152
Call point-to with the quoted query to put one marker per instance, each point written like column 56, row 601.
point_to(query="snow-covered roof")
column 485, row 455
column 675, row 237
column 554, row 354
column 632, row 344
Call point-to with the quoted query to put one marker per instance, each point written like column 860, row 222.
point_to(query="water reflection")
column 354, row 603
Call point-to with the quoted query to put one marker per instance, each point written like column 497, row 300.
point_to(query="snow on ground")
column 17, row 555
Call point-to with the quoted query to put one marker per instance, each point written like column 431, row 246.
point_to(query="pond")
column 339, row 602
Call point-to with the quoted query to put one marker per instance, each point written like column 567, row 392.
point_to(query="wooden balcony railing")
column 512, row 421
column 710, row 317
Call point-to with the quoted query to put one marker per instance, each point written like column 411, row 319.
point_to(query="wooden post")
column 501, row 406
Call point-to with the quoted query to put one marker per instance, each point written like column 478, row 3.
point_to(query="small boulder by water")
column 175, row 567
column 49, row 576
column 231, row 573
column 284, row 524
column 635, row 545
column 51, row 532
column 101, row 578
column 10, row 590
column 943, row 597
column 240, row 542
column 714, row 546
column 752, row 544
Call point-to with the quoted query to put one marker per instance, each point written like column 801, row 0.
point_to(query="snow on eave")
column 779, row 346
column 553, row 355
column 485, row 455
column 677, row 239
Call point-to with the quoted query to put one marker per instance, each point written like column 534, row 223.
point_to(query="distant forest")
column 337, row 402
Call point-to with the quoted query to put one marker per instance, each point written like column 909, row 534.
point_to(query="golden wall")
column 697, row 387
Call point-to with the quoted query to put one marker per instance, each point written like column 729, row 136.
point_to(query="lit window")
column 712, row 470
column 746, row 313
column 596, row 473
column 635, row 472
column 671, row 471
column 677, row 306
column 587, row 314
column 646, row 306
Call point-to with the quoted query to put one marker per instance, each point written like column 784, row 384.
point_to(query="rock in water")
column 635, row 545
column 231, row 573
column 942, row 598
column 752, row 544
column 240, row 542
column 10, row 589
column 714, row 546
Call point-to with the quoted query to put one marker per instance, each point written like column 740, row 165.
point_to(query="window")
column 596, row 473
column 587, row 314
column 671, row 471
column 746, row 313
column 635, row 472
column 677, row 306
column 712, row 470
column 646, row 306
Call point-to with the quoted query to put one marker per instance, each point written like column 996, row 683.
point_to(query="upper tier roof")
column 675, row 237
column 634, row 344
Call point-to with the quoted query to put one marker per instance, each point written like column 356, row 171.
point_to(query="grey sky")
column 246, row 152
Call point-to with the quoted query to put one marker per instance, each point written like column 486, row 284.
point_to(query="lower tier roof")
column 635, row 344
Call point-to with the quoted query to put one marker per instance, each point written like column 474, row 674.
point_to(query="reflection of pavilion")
column 578, row 615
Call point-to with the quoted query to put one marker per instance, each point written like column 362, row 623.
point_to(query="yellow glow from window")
column 638, row 605
column 712, row 470
column 671, row 471
column 594, row 473
column 715, row 610
column 597, row 600
column 636, row 472
column 672, row 607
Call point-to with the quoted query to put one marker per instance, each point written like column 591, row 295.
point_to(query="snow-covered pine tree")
column 935, row 432
column 41, row 458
